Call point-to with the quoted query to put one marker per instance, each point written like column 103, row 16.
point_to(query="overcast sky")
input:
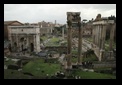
column 34, row 13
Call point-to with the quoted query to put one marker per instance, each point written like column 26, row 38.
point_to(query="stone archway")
column 31, row 47
column 22, row 39
column 15, row 44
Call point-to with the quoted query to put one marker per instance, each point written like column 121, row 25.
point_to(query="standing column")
column 99, row 36
column 111, row 37
column 80, row 43
column 102, row 51
column 17, row 42
column 27, row 45
column 69, row 39
column 96, row 35
column 34, row 42
column 104, row 35
column 63, row 32
column 12, row 43
column 93, row 34
column 69, row 46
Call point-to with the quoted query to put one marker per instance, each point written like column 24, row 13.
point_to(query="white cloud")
column 51, row 12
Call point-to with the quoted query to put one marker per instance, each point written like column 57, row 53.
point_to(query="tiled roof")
column 10, row 22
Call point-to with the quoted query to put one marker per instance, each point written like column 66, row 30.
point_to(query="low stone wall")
column 104, row 65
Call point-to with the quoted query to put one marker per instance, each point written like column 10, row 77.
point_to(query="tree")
column 112, row 18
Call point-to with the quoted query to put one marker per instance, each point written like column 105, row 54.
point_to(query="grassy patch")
column 38, row 68
column 8, row 62
column 53, row 42
column 74, row 60
column 14, row 74
column 107, row 42
column 93, row 75
column 54, row 39
column 89, row 39
column 97, row 69
column 75, row 51
column 91, row 57
column 44, row 38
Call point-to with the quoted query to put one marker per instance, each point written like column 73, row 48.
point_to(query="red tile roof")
column 10, row 22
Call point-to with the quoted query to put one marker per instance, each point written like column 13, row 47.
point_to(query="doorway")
column 22, row 47
column 32, row 47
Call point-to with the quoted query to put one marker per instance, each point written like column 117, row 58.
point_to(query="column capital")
column 69, row 23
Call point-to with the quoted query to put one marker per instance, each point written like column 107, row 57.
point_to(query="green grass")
column 91, row 57
column 54, row 39
column 74, row 60
column 107, row 42
column 93, row 75
column 38, row 68
column 43, row 38
column 75, row 51
column 89, row 39
column 53, row 42
column 9, row 62
column 16, row 74
column 99, row 69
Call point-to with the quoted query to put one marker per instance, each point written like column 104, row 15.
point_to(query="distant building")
column 87, row 29
column 46, row 27
column 6, row 29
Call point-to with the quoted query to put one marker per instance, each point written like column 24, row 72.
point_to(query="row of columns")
column 70, row 17
column 99, row 35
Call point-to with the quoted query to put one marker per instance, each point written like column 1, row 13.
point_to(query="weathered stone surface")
column 5, row 67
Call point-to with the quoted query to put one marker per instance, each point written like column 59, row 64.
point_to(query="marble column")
column 99, row 35
column 111, row 37
column 27, row 43
column 111, row 40
column 93, row 34
column 63, row 32
column 69, row 47
column 17, row 42
column 96, row 35
column 104, row 36
column 34, row 43
column 80, row 44
column 102, row 50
